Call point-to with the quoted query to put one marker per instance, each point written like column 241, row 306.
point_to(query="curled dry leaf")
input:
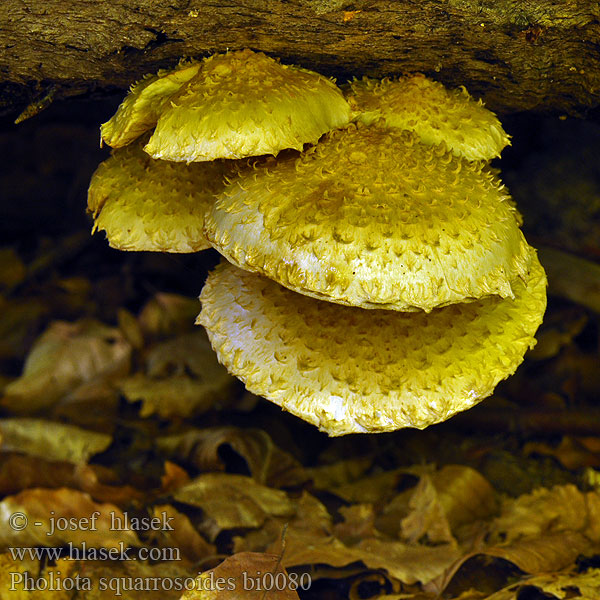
column 182, row 377
column 562, row 586
column 180, row 535
column 19, row 321
column 445, row 500
column 16, row 574
column 38, row 509
column 245, row 575
column 339, row 473
column 407, row 563
column 561, row 508
column 18, row 472
column 51, row 441
column 12, row 268
column 63, row 357
column 267, row 463
column 543, row 553
column 248, row 503
column 166, row 314
column 311, row 518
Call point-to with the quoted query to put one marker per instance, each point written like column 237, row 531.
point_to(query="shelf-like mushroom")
column 348, row 370
column 435, row 113
column 147, row 204
column 371, row 217
column 231, row 105
column 143, row 105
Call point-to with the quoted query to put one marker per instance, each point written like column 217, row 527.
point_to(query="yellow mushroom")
column 434, row 113
column 348, row 370
column 141, row 108
column 371, row 217
column 231, row 105
column 147, row 204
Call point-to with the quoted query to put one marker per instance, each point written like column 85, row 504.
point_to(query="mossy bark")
column 537, row 55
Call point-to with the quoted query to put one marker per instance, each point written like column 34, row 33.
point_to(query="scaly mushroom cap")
column 433, row 112
column 370, row 217
column 246, row 104
column 147, row 204
column 348, row 370
column 141, row 108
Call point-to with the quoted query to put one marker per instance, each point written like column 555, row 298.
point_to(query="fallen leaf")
column 12, row 268
column 181, row 536
column 248, row 575
column 559, row 586
column 182, row 377
column 51, row 441
column 65, row 356
column 543, row 511
column 166, row 314
column 543, row 553
column 267, row 463
column 55, row 517
column 248, row 503
column 26, row 579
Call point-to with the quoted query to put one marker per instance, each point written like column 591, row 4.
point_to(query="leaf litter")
column 114, row 405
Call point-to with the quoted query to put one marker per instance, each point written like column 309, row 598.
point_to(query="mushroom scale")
column 141, row 108
column 371, row 217
column 147, row 204
column 244, row 104
column 436, row 114
column 348, row 370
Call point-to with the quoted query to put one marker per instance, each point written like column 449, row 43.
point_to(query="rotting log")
column 539, row 55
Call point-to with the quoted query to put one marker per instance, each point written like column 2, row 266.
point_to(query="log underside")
column 534, row 55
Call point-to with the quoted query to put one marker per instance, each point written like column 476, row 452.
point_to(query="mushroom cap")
column 433, row 112
column 141, row 108
column 246, row 104
column 147, row 204
column 348, row 370
column 370, row 217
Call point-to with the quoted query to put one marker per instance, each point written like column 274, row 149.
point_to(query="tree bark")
column 540, row 55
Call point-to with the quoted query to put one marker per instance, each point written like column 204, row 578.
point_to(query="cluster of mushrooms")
column 376, row 275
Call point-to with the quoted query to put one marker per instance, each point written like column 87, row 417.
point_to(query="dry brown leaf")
column 311, row 517
column 371, row 489
column 571, row 452
column 131, row 328
column 166, row 314
column 427, row 516
column 50, row 440
column 443, row 501
column 267, row 463
column 357, row 525
column 233, row 501
column 31, row 518
column 25, row 578
column 543, row 511
column 408, row 563
column 180, row 535
column 248, row 575
column 326, row 477
column 182, row 377
column 543, row 553
column 173, row 478
column 63, row 357
column 561, row 586
column 18, row 472
column 12, row 268
column 177, row 396
column 19, row 321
